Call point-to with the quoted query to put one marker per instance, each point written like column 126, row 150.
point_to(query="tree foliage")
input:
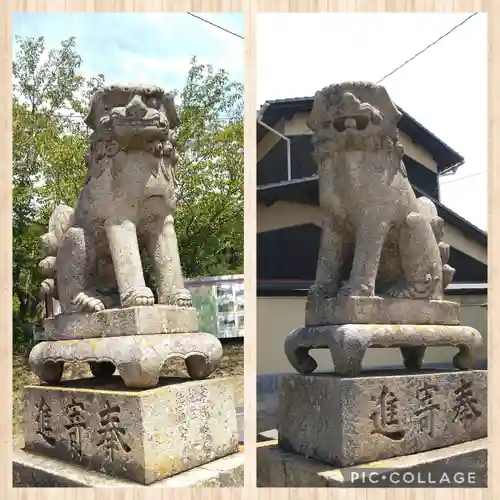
column 49, row 145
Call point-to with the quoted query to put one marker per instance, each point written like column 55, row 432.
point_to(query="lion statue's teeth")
column 350, row 123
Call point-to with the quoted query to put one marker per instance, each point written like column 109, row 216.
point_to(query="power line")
column 465, row 177
column 216, row 25
column 426, row 48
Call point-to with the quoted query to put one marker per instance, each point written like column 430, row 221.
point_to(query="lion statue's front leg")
column 157, row 231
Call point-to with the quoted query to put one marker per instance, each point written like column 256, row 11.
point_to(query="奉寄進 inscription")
column 112, row 434
column 44, row 422
column 426, row 412
column 466, row 404
column 75, row 412
column 385, row 418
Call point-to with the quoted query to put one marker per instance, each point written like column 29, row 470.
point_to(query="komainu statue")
column 373, row 220
column 126, row 205
column 383, row 265
column 98, row 307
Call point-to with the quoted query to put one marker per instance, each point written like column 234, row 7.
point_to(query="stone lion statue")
column 93, row 252
column 378, row 238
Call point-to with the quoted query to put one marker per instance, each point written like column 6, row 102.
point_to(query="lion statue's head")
column 128, row 118
column 353, row 116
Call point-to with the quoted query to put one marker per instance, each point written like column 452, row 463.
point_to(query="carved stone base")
column 138, row 358
column 378, row 310
column 145, row 320
column 144, row 436
column 347, row 421
column 348, row 344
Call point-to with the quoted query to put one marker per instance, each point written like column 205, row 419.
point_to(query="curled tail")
column 437, row 225
column 59, row 222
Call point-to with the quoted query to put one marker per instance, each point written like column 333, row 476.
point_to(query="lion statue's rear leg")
column 421, row 261
column 76, row 271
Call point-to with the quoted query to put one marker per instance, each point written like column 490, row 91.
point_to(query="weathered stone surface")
column 31, row 470
column 145, row 320
column 378, row 238
column 93, row 252
column 144, row 436
column 138, row 358
column 348, row 344
column 277, row 468
column 380, row 310
column 346, row 421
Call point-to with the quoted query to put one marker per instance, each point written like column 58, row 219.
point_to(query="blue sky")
column 141, row 48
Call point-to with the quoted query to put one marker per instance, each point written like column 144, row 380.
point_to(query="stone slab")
column 144, row 436
column 30, row 470
column 383, row 310
column 143, row 320
column 138, row 358
column 277, row 468
column 348, row 344
column 347, row 421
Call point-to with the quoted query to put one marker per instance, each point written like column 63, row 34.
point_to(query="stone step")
column 31, row 470
column 277, row 468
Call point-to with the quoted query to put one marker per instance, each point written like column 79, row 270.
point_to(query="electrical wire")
column 215, row 25
column 464, row 177
column 426, row 48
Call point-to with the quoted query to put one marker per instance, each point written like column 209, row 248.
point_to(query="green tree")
column 210, row 173
column 48, row 149
column 49, row 145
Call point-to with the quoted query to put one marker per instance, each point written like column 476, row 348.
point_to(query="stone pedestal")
column 348, row 343
column 143, row 436
column 138, row 358
column 136, row 341
column 149, row 320
column 346, row 421
column 382, row 310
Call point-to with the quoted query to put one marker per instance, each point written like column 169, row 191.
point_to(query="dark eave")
column 273, row 111
column 305, row 191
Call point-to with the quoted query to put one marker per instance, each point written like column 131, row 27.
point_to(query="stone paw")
column 181, row 298
column 88, row 302
column 138, row 297
column 319, row 291
column 408, row 291
column 349, row 289
column 399, row 292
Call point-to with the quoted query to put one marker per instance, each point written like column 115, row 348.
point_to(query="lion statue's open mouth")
column 133, row 114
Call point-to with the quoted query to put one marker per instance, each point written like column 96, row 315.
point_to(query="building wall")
column 297, row 126
column 284, row 214
column 277, row 316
